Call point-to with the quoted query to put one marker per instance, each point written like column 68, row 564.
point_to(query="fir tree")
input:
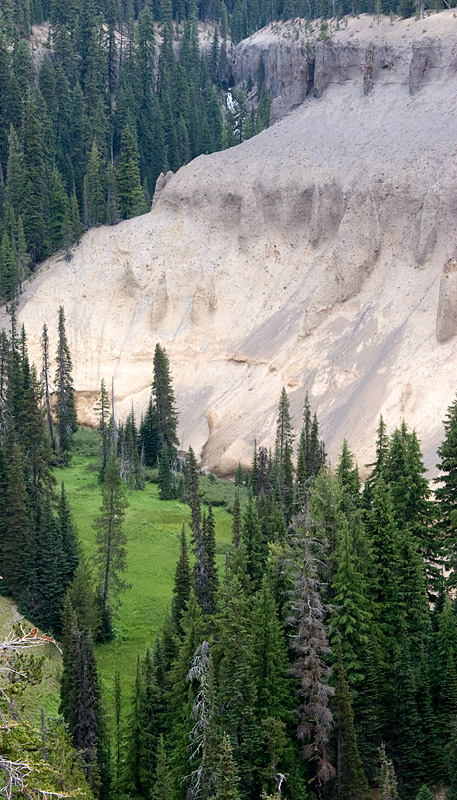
column 45, row 382
column 236, row 524
column 182, row 585
column 311, row 645
column 16, row 545
column 84, row 605
column 130, row 193
column 102, row 409
column 351, row 780
column 162, row 788
column 165, row 474
column 387, row 789
column 94, row 190
column 110, row 537
column 65, row 396
column 446, row 492
column 351, row 621
column 70, row 545
column 228, row 780
column 209, row 536
column 255, row 546
column 201, row 573
column 166, row 418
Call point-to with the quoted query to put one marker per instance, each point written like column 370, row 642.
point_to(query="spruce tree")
column 234, row 663
column 16, row 546
column 446, row 491
column 165, row 474
column 228, row 780
column 130, row 192
column 351, row 780
column 110, row 538
column 236, row 524
column 161, row 789
column 82, row 598
column 270, row 662
column 350, row 622
column 45, row 382
column 181, row 591
column 94, row 190
column 311, row 669
column 209, row 536
column 103, row 411
column 255, row 546
column 201, row 573
column 166, row 418
column 65, row 395
column 59, row 211
column 70, row 545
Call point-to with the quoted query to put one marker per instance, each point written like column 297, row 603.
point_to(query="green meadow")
column 152, row 527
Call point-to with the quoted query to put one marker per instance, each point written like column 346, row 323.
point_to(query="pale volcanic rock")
column 310, row 256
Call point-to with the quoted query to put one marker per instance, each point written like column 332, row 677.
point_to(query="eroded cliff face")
column 366, row 52
column 319, row 255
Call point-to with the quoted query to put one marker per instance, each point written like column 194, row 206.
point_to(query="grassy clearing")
column 152, row 527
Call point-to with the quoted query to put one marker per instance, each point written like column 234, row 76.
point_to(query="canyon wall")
column 319, row 255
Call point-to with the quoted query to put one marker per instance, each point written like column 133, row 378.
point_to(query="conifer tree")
column 406, row 734
column 130, row 192
column 133, row 767
column 387, row 789
column 182, row 585
column 9, row 275
column 17, row 540
column 94, row 190
column 228, row 780
column 65, row 396
column 446, row 491
column 255, row 546
column 166, row 418
column 209, row 536
column 165, row 474
column 34, row 183
column 311, row 645
column 110, row 538
column 59, row 211
column 236, row 524
column 239, row 476
column 348, row 475
column 270, row 663
column 351, row 780
column 103, row 408
column 237, row 693
column 149, row 435
column 88, row 724
column 45, row 383
column 46, row 572
column 201, row 572
column 70, row 545
column 162, row 788
column 350, row 621
column 83, row 601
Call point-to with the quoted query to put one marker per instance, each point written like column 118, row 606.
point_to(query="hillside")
column 315, row 255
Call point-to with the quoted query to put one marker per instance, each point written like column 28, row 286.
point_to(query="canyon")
column 319, row 255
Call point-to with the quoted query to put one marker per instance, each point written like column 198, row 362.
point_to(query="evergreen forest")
column 311, row 653
column 107, row 95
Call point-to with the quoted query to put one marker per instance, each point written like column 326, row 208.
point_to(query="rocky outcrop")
column 310, row 256
column 368, row 53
